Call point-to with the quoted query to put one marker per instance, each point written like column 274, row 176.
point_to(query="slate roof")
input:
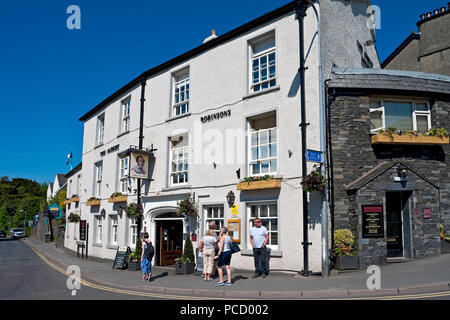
column 73, row 171
column 61, row 178
column 385, row 80
column 378, row 171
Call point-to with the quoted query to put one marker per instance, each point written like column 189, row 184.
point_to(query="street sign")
column 314, row 156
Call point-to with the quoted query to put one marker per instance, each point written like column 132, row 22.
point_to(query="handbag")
column 234, row 247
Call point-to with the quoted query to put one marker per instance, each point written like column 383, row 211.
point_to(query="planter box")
column 184, row 268
column 134, row 265
column 409, row 139
column 256, row 185
column 68, row 201
column 347, row 262
column 76, row 199
column 118, row 199
column 93, row 203
column 445, row 246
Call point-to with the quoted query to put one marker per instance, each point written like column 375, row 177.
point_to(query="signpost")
column 121, row 260
column 372, row 221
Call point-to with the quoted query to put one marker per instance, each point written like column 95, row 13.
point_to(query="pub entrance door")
column 169, row 237
column 397, row 224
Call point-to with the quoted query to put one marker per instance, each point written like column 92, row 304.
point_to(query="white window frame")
column 114, row 234
column 100, row 129
column 123, row 174
column 187, row 87
column 258, row 56
column 125, row 116
column 98, row 229
column 258, row 145
column 98, row 179
column 178, row 173
column 133, row 232
column 217, row 215
column 250, row 220
column 414, row 114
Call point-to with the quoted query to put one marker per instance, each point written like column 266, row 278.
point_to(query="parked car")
column 2, row 234
column 17, row 233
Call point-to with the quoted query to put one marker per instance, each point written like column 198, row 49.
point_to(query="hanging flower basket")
column 314, row 181
column 134, row 210
column 73, row 218
column 187, row 207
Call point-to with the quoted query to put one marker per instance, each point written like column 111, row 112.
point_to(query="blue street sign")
column 314, row 156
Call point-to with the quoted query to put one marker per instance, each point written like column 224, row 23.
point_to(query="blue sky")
column 50, row 76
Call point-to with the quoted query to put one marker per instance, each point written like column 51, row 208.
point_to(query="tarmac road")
column 25, row 276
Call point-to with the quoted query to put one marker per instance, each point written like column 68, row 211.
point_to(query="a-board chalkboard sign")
column 121, row 260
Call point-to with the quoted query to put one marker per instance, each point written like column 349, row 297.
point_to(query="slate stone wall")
column 354, row 155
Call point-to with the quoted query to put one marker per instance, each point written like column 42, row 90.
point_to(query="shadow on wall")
column 315, row 209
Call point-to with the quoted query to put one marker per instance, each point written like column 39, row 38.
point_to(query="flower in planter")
column 116, row 194
column 187, row 207
column 134, row 210
column 258, row 178
column 93, row 198
column 73, row 217
column 314, row 181
column 344, row 243
column 444, row 235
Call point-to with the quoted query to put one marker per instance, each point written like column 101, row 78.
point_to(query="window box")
column 93, row 202
column 67, row 201
column 409, row 139
column 445, row 246
column 117, row 199
column 75, row 199
column 256, row 185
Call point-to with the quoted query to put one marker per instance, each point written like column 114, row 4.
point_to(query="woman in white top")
column 224, row 257
column 208, row 245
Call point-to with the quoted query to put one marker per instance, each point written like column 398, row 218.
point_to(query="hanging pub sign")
column 139, row 165
column 372, row 221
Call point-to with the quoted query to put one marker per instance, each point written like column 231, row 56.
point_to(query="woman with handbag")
column 224, row 257
column 207, row 246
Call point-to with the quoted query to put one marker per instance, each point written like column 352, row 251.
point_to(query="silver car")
column 17, row 233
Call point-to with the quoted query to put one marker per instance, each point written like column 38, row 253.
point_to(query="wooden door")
column 170, row 241
column 394, row 230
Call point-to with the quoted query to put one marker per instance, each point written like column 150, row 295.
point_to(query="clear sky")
column 50, row 76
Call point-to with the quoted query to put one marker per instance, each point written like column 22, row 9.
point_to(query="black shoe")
column 264, row 275
column 256, row 275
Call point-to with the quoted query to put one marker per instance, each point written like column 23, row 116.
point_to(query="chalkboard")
column 372, row 221
column 121, row 260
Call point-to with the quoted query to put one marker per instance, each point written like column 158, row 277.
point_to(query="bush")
column 188, row 252
column 344, row 242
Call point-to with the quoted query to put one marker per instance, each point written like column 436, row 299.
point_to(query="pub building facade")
column 207, row 119
column 392, row 191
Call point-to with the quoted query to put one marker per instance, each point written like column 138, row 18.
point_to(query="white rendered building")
column 229, row 106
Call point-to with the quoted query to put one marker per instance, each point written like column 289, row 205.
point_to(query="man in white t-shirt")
column 258, row 239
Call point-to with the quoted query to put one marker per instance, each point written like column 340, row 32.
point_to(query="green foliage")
column 187, row 207
column 188, row 252
column 344, row 242
column 314, row 181
column 134, row 210
column 444, row 235
column 258, row 178
column 20, row 194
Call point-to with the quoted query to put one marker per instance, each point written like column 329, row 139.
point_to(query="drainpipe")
column 300, row 15
column 324, row 214
column 141, row 142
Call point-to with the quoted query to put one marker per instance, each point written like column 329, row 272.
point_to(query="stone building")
column 392, row 191
column 425, row 50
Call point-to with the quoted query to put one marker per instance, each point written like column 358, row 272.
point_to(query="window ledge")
column 110, row 246
column 97, row 245
column 179, row 117
column 174, row 188
column 273, row 253
column 123, row 133
column 255, row 94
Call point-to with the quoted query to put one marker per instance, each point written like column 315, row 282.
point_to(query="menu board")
column 121, row 260
column 372, row 221
column 234, row 230
column 83, row 230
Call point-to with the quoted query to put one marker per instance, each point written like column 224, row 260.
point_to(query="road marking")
column 123, row 291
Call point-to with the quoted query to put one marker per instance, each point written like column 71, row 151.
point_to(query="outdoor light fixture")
column 402, row 173
column 238, row 173
column 230, row 198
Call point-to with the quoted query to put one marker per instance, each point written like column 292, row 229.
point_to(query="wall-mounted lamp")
column 290, row 153
column 402, row 173
column 230, row 198
column 238, row 173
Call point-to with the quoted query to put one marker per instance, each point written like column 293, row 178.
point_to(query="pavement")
column 397, row 279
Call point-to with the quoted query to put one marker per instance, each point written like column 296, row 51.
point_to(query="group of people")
column 217, row 253
column 218, row 250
